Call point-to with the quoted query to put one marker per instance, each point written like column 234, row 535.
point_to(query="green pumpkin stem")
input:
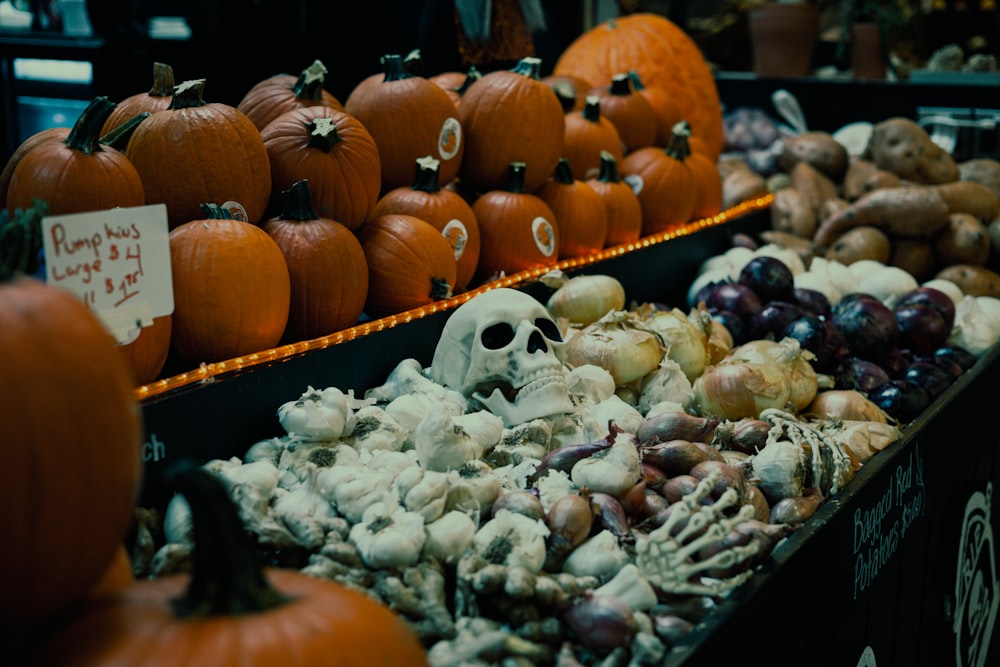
column 592, row 109
column 564, row 172
column 118, row 137
column 428, row 178
column 214, row 211
column 440, row 289
column 21, row 240
column 297, row 202
column 529, row 66
column 227, row 576
column 515, row 177
column 609, row 168
column 414, row 62
column 85, row 135
column 323, row 134
column 678, row 147
column 394, row 68
column 621, row 84
column 471, row 76
column 188, row 94
column 163, row 81
column 309, row 85
column 637, row 83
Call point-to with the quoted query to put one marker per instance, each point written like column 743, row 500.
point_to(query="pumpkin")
column 157, row 98
column 194, row 152
column 708, row 180
column 232, row 290
column 334, row 152
column 456, row 83
column 229, row 610
column 510, row 116
column 621, row 204
column 629, row 112
column 518, row 229
column 587, row 133
column 117, row 574
column 147, row 354
column 326, row 265
column 409, row 117
column 36, row 139
column 446, row 210
column 571, row 90
column 77, row 174
column 583, row 222
column 664, row 107
column 410, row 264
column 71, row 439
column 664, row 57
column 663, row 182
column 271, row 97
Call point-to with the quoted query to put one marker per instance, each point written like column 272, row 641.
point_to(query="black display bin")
column 898, row 569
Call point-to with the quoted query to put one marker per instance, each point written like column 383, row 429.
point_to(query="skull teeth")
column 511, row 393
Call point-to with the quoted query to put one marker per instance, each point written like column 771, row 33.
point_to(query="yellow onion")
column 845, row 404
column 789, row 356
column 620, row 344
column 738, row 389
column 685, row 338
column 582, row 300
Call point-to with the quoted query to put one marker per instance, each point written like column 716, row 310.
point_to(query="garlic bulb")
column 590, row 383
column 512, row 539
column 375, row 429
column 632, row 587
column 613, row 470
column 619, row 343
column 666, row 383
column 448, row 537
column 977, row 328
column 317, row 415
column 779, row 470
column 600, row 556
column 389, row 536
column 586, row 298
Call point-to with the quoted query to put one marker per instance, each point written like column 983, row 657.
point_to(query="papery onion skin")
column 677, row 457
column 795, row 509
column 671, row 629
column 679, row 486
column 747, row 435
column 676, row 425
column 756, row 499
column 619, row 344
column 569, row 521
column 601, row 622
column 564, row 458
column 587, row 298
column 846, row 404
column 609, row 514
column 742, row 389
column 731, row 477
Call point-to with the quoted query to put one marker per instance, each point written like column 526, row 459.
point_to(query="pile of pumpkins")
column 293, row 215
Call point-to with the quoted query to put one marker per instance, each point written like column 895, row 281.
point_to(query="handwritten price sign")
column 117, row 261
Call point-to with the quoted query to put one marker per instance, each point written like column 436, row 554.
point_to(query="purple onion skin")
column 901, row 400
column 933, row 298
column 609, row 514
column 812, row 301
column 734, row 324
column 822, row 338
column 601, row 622
column 932, row 377
column 773, row 318
column 565, row 457
column 735, row 298
column 868, row 326
column 676, row 426
column 921, row 328
column 769, row 278
column 959, row 355
column 861, row 374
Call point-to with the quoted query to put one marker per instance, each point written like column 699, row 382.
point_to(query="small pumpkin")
column 664, row 107
column 77, row 174
column 510, row 116
column 156, row 98
column 588, row 133
column 71, row 439
column 708, row 180
column 445, row 209
column 456, row 83
column 275, row 95
column 621, row 204
column 232, row 290
column 194, row 152
column 147, row 355
column 36, row 139
column 410, row 264
column 334, row 152
column 518, row 229
column 629, row 112
column 663, row 182
column 230, row 609
column 326, row 265
column 583, row 222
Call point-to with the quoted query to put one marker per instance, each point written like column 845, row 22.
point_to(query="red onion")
column 795, row 509
column 678, row 487
column 601, row 622
column 671, row 628
column 609, row 514
column 677, row 457
column 676, row 425
column 565, row 457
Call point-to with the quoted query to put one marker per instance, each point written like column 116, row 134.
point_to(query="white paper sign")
column 117, row 261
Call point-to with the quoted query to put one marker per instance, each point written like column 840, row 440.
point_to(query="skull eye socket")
column 549, row 329
column 497, row 337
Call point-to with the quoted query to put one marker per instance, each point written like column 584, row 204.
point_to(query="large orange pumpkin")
column 232, row 290
column 327, row 266
column 667, row 112
column 71, row 440
column 36, row 139
column 230, row 611
column 157, row 98
column 194, row 152
column 662, row 54
column 271, row 97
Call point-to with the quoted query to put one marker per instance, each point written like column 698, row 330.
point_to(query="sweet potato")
column 972, row 279
column 899, row 211
column 793, row 213
column 915, row 255
column 964, row 240
column 862, row 242
column 903, row 147
column 984, row 170
column 970, row 197
column 817, row 187
column 740, row 185
column 863, row 176
column 819, row 149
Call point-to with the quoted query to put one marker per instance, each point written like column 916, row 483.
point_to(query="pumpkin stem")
column 564, row 172
column 188, row 94
column 566, row 92
column 592, row 108
column 609, row 168
column 394, row 68
column 515, row 177
column 471, row 76
column 678, row 147
column 309, row 86
column 163, row 81
column 118, row 137
column 414, row 62
column 214, row 211
column 440, row 289
column 529, row 66
column 21, row 240
column 637, row 83
column 428, row 178
column 85, row 134
column 227, row 576
column 621, row 84
column 323, row 134
column 297, row 202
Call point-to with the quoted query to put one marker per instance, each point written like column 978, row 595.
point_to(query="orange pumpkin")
column 629, row 112
column 583, row 222
column 271, row 97
column 588, row 133
column 71, row 440
column 621, row 204
column 518, row 229
column 708, row 180
column 664, row 56
column 510, row 116
column 230, row 610
column 194, row 152
column 36, row 139
column 456, row 83
column 77, row 174
column 334, row 152
column 665, row 108
column 663, row 182
column 117, row 574
column 157, row 98
column 571, row 90
column 445, row 209
column 326, row 265
column 410, row 264
column 409, row 117
column 232, row 290
column 147, row 355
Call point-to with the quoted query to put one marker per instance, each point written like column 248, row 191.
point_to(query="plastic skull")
column 503, row 349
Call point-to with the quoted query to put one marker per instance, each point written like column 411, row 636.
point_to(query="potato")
column 863, row 176
column 740, row 185
column 964, row 240
column 819, row 149
column 913, row 210
column 972, row 279
column 793, row 213
column 985, row 171
column 903, row 147
column 970, row 197
column 862, row 242
column 915, row 255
